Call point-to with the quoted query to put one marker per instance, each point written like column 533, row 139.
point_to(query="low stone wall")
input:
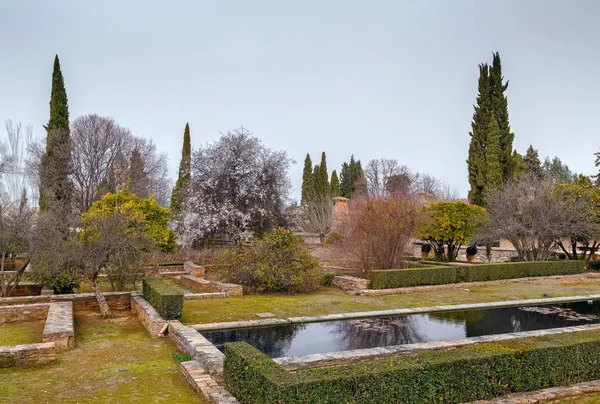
column 26, row 290
column 194, row 269
column 346, row 282
column 202, row 350
column 28, row 354
column 499, row 254
column 81, row 301
column 205, row 385
column 23, row 313
column 59, row 325
column 198, row 284
column 231, row 289
column 148, row 316
column 200, row 296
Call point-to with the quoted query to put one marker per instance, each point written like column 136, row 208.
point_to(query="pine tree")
column 351, row 178
column 500, row 108
column 493, row 175
column 138, row 179
column 308, row 185
column 476, row 161
column 532, row 160
column 55, row 186
column 181, row 188
column 335, row 184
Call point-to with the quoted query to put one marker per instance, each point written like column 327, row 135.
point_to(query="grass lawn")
column 114, row 361
column 588, row 399
column 21, row 333
column 333, row 300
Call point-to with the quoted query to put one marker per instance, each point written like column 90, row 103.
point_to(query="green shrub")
column 333, row 238
column 276, row 263
column 594, row 265
column 472, row 250
column 438, row 275
column 400, row 278
column 458, row 375
column 165, row 298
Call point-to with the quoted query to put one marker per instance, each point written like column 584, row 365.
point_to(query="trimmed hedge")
column 165, row 298
column 438, row 275
column 458, row 375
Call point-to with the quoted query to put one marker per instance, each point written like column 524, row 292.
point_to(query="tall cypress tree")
column 493, row 175
column 55, row 187
column 308, row 185
column 322, row 179
column 533, row 162
column 181, row 188
column 500, row 107
column 476, row 161
column 334, row 184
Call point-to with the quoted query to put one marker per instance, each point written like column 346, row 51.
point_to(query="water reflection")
column 303, row 339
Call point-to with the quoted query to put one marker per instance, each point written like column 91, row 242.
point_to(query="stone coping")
column 392, row 312
column 542, row 396
column 59, row 325
column 358, row 355
column 205, row 385
column 148, row 316
column 27, row 354
column 198, row 296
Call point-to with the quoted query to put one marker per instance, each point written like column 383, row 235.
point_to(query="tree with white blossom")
column 237, row 184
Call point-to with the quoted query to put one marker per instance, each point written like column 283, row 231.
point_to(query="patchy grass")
column 332, row 300
column 21, row 333
column 588, row 399
column 114, row 361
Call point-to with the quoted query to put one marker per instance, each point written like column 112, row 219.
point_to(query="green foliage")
column 493, row 174
column 181, row 357
column 334, row 184
column 143, row 213
column 166, row 299
column 322, row 187
column 438, row 275
column 276, row 263
column 54, row 183
column 308, row 182
column 138, row 178
column 471, row 250
column 532, row 160
column 401, row 278
column 181, row 188
column 558, row 172
column 333, row 237
column 62, row 281
column 464, row 374
column 350, row 177
column 451, row 223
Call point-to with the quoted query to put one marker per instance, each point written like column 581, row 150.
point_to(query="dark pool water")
column 331, row 336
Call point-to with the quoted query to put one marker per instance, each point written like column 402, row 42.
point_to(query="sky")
column 393, row 79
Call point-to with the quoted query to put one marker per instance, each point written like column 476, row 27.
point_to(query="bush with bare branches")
column 376, row 232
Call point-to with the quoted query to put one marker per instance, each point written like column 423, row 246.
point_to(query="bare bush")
column 376, row 232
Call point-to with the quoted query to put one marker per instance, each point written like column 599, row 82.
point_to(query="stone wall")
column 345, row 282
column 231, row 289
column 202, row 350
column 148, row 316
column 23, row 313
column 26, row 290
column 29, row 354
column 499, row 254
column 59, row 325
column 194, row 269
column 81, row 302
column 197, row 284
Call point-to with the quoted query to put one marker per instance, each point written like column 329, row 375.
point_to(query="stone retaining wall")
column 23, row 313
column 200, row 296
column 198, row 284
column 147, row 315
column 205, row 385
column 28, row 354
column 346, row 282
column 202, row 350
column 59, row 325
column 231, row 289
column 194, row 269
column 81, row 301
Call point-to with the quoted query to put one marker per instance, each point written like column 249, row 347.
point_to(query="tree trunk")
column 104, row 309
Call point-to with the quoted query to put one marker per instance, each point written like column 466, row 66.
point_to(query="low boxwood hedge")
column 399, row 278
column 165, row 298
column 458, row 375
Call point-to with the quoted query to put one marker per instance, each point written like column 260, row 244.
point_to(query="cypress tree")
column 476, row 161
column 351, row 178
column 597, row 164
column 322, row 179
column 180, row 190
column 55, row 187
column 308, row 185
column 500, row 107
column 532, row 160
column 138, row 179
column 493, row 173
column 335, row 184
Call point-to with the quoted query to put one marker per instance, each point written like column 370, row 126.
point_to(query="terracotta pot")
column 470, row 258
column 424, row 254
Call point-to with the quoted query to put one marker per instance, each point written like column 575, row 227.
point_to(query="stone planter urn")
column 471, row 253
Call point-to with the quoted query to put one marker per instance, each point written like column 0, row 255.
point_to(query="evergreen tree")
column 335, row 184
column 138, row 179
column 351, row 178
column 493, row 175
column 181, row 188
column 597, row 164
column 308, row 185
column 55, row 186
column 476, row 161
column 532, row 160
column 322, row 178
column 500, row 108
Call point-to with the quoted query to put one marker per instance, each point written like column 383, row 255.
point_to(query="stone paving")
column 59, row 325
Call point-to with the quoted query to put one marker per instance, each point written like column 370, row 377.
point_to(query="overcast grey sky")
column 392, row 79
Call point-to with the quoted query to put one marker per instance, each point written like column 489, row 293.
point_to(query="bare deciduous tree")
column 532, row 214
column 319, row 215
column 15, row 154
